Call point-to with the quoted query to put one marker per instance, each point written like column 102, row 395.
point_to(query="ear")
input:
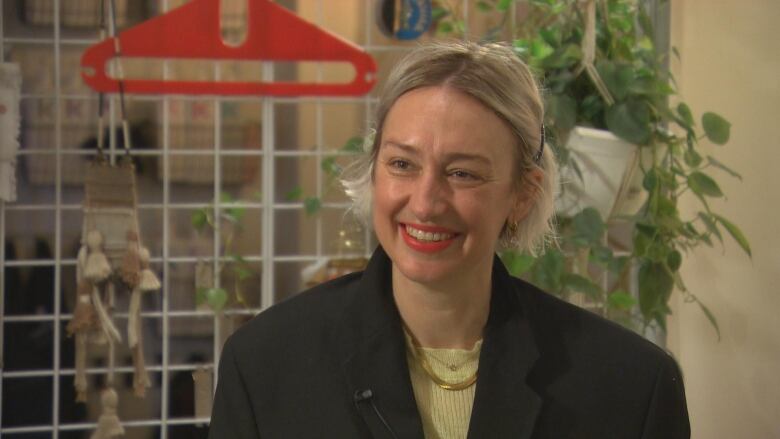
column 527, row 195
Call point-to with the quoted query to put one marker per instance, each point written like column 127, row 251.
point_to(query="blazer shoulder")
column 586, row 331
column 303, row 315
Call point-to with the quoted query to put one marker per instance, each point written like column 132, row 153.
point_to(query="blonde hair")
column 496, row 77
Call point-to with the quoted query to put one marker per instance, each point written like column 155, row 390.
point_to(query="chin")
column 426, row 272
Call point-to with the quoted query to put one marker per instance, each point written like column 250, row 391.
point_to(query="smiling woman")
column 435, row 339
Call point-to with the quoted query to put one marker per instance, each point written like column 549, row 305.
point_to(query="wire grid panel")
column 235, row 159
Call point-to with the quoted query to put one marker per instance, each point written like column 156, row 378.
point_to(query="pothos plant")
column 332, row 170
column 622, row 84
column 231, row 262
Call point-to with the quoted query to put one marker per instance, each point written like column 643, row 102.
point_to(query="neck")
column 444, row 316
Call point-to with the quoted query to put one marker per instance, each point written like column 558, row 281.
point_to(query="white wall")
column 730, row 64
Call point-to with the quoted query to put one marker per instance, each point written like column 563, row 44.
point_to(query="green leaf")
column 563, row 57
column 439, row 12
column 703, row 184
column 548, row 271
column 295, row 194
column 710, row 317
column 712, row 161
column 199, row 219
column 650, row 181
column 711, row 225
column 226, row 198
column 630, row 121
column 312, row 205
column 444, row 27
column 517, row 263
column 243, row 273
column 692, row 158
column 588, row 226
column 581, row 284
column 562, row 109
column 234, row 214
column 540, row 49
column 353, row 144
column 330, row 166
column 685, row 113
column 716, row 128
column 215, row 298
column 655, row 287
column 621, row 300
column 735, row 233
column 619, row 78
column 616, row 265
column 674, row 260
column 504, row 5
column 601, row 254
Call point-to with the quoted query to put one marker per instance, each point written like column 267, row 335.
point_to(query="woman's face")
column 443, row 185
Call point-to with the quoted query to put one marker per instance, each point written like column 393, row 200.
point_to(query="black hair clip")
column 538, row 155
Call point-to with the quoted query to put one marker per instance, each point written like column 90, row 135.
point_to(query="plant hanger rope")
column 107, row 28
column 589, row 52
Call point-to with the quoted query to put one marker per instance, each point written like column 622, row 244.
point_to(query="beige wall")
column 731, row 64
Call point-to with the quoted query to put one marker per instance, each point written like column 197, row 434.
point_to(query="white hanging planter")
column 611, row 179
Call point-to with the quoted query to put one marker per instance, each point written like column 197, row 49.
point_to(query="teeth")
column 427, row 236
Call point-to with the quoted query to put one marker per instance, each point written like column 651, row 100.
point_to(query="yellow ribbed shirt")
column 445, row 414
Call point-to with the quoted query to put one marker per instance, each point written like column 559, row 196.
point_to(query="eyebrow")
column 450, row 157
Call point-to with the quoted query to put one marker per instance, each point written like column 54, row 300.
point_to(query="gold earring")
column 512, row 227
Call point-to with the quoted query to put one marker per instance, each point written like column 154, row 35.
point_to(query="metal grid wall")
column 180, row 338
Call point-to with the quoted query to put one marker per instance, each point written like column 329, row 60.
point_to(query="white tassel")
column 108, row 425
column 134, row 318
column 149, row 281
column 105, row 321
column 97, row 267
column 80, row 381
column 81, row 263
column 140, row 376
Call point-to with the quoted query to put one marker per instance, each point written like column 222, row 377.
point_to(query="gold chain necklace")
column 426, row 366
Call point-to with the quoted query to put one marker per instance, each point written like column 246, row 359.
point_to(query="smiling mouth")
column 424, row 236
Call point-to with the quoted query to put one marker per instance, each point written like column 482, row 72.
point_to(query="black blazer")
column 331, row 363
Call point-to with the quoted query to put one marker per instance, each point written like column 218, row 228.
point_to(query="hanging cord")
column 101, row 95
column 110, row 28
column 589, row 53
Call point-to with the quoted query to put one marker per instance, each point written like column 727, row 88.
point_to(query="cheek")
column 384, row 199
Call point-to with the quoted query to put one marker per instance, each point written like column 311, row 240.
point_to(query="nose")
column 430, row 197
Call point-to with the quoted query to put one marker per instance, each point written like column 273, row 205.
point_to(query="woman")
column 435, row 339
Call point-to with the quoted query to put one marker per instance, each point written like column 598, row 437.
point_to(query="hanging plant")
column 600, row 68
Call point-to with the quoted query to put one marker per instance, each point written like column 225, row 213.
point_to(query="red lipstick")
column 426, row 246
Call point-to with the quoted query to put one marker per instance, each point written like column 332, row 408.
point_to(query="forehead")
column 443, row 119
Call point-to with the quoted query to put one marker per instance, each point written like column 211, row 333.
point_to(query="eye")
column 462, row 174
column 399, row 164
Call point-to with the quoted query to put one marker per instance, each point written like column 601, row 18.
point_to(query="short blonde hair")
column 492, row 74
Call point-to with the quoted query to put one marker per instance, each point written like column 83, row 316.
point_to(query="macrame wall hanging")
column 111, row 261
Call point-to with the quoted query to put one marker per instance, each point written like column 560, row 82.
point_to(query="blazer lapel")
column 374, row 356
column 504, row 404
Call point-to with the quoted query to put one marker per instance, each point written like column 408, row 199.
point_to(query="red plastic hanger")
column 192, row 31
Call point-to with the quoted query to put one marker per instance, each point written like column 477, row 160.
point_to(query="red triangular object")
column 192, row 32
